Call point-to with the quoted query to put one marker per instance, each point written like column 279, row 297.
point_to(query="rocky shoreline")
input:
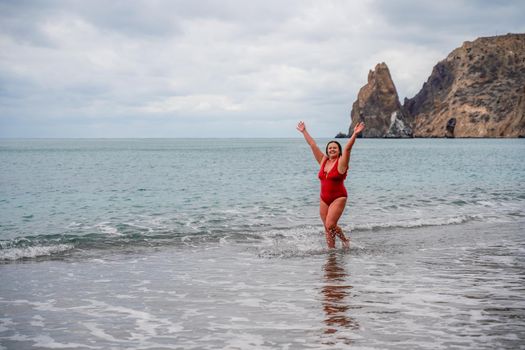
column 477, row 91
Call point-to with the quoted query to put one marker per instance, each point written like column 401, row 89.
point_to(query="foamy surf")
column 301, row 240
column 10, row 254
column 414, row 223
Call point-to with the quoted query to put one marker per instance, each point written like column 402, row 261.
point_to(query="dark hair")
column 338, row 146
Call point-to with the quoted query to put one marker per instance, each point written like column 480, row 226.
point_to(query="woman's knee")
column 331, row 226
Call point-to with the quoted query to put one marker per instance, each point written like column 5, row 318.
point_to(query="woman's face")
column 333, row 150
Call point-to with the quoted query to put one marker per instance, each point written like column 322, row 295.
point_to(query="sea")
column 218, row 244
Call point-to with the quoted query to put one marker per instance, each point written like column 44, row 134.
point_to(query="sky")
column 225, row 68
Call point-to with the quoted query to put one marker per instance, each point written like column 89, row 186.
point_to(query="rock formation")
column 451, row 126
column 378, row 106
column 481, row 85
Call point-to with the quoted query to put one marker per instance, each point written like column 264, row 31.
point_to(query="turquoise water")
column 217, row 243
column 84, row 194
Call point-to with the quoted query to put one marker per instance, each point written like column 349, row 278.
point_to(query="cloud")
column 190, row 104
column 184, row 68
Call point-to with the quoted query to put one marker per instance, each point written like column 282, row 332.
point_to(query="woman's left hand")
column 359, row 127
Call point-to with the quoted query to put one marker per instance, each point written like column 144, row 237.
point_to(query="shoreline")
column 397, row 289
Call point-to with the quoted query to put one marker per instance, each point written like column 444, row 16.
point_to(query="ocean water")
column 217, row 244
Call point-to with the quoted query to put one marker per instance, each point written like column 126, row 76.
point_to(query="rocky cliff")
column 378, row 106
column 477, row 91
column 481, row 85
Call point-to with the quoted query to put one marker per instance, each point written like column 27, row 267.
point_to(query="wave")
column 29, row 247
column 309, row 240
column 12, row 254
column 415, row 223
column 57, row 245
column 295, row 240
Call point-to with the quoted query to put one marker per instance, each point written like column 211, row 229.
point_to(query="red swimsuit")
column 332, row 186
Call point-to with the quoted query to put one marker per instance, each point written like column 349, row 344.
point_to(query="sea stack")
column 378, row 106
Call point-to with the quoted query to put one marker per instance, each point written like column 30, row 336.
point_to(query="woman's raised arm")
column 342, row 167
column 318, row 154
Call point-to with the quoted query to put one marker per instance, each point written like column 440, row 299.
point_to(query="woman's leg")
column 342, row 237
column 334, row 212
column 323, row 212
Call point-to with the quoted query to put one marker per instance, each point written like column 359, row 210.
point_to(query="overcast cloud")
column 218, row 68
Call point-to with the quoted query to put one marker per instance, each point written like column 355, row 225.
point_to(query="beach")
column 189, row 244
column 390, row 290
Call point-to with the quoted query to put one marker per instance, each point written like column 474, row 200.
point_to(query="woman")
column 334, row 166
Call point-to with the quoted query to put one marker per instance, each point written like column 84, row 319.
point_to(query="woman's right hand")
column 301, row 127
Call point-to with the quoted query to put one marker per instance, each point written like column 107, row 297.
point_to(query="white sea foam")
column 148, row 325
column 99, row 333
column 306, row 240
column 245, row 341
column 5, row 323
column 33, row 252
column 251, row 302
column 37, row 321
column 46, row 341
column 107, row 228
column 413, row 223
